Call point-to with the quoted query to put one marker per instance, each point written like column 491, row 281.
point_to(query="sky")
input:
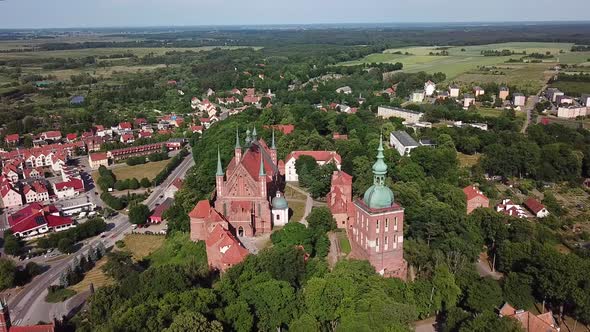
column 124, row 13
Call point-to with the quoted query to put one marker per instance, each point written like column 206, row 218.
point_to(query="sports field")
column 466, row 64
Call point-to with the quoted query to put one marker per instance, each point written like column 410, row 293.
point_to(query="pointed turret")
column 219, row 168
column 273, row 149
column 262, row 177
column 254, row 134
column 248, row 138
column 237, row 149
column 272, row 146
column 262, row 172
column 378, row 195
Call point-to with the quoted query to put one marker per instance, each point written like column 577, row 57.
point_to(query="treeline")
column 65, row 240
column 170, row 167
column 580, row 48
column 500, row 53
column 580, row 77
column 142, row 159
column 68, row 63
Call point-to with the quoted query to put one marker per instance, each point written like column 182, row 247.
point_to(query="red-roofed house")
column 33, row 173
column 98, row 159
column 36, row 219
column 173, row 188
column 71, row 137
column 124, row 126
column 475, row 199
column 35, row 192
column 134, row 151
column 6, row 323
column 54, row 135
column 340, row 197
column 158, row 214
column 509, row 208
column 321, row 157
column 67, row 189
column 127, row 138
column 12, row 139
column 251, row 99
column 145, row 134
column 10, row 196
column 529, row 321
column 197, row 129
column 537, row 209
column 140, row 122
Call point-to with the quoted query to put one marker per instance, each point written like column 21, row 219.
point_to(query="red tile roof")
column 471, row 192
column 534, row 205
column 529, row 321
column 14, row 138
column 52, row 134
column 71, row 136
column 341, row 178
column 33, row 328
column 98, row 156
column 285, row 129
column 74, row 183
column 201, row 210
column 125, row 125
column 224, row 248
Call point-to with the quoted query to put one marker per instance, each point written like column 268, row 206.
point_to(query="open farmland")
column 467, row 65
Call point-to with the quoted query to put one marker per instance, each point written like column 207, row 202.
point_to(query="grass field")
column 298, row 209
column 494, row 113
column 141, row 245
column 574, row 89
column 95, row 276
column 148, row 170
column 105, row 72
column 462, row 64
column 177, row 249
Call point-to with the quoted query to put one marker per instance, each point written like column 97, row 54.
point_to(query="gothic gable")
column 241, row 184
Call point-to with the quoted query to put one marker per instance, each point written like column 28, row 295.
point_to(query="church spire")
column 273, row 140
column 254, row 134
column 219, row 168
column 261, row 172
column 379, row 167
column 238, row 146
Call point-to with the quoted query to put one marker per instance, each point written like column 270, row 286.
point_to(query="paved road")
column 29, row 306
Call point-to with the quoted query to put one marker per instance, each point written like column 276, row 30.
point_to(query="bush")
column 174, row 162
column 56, row 294
column 112, row 201
column 158, row 156
column 138, row 214
column 145, row 182
column 7, row 273
column 88, row 229
column 135, row 161
column 12, row 244
column 133, row 184
column 66, row 245
column 120, row 244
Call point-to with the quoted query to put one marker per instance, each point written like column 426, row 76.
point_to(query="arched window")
column 240, row 231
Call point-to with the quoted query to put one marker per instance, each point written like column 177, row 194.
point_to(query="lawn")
column 463, row 62
column 291, row 193
column 344, row 243
column 106, row 72
column 574, row 89
column 141, row 245
column 178, row 249
column 297, row 210
column 494, row 113
column 95, row 276
column 147, row 170
column 466, row 160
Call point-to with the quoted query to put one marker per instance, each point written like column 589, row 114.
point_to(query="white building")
column 10, row 197
column 345, row 89
column 571, row 112
column 409, row 116
column 321, row 158
column 402, row 142
column 454, row 91
column 468, row 100
column 429, row 88
column 519, row 99
column 418, row 96
column 280, row 210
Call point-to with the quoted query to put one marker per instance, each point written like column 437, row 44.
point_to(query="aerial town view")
column 305, row 167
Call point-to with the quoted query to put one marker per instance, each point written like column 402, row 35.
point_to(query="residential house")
column 478, row 91
column 195, row 102
column 145, row 134
column 127, row 138
column 571, row 112
column 139, row 122
column 11, row 172
column 124, row 127
column 35, row 192
column 12, row 139
column 71, row 137
column 509, row 208
column 454, row 91
column 536, row 208
column 585, row 100
column 98, row 159
column 285, row 129
column 173, row 188
column 36, row 220
column 519, row 100
column 53, row 135
column 402, row 142
column 101, row 132
column 33, row 173
column 553, row 93
column 564, row 100
column 68, row 189
column 443, row 95
column 93, row 143
column 345, row 89
column 504, row 92
column 531, row 322
column 475, row 199
column 429, row 88
column 321, row 158
column 417, row 96
column 409, row 116
column 468, row 100
column 10, row 196
column 134, row 151
column 339, row 137
column 249, row 99
column 197, row 129
column 210, row 92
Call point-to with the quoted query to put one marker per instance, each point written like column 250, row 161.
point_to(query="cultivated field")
column 467, row 65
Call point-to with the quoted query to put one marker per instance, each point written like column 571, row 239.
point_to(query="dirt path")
column 334, row 249
column 426, row 325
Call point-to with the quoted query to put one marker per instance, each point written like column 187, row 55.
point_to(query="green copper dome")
column 379, row 196
column 279, row 202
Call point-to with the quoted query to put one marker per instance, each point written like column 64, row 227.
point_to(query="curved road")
column 29, row 306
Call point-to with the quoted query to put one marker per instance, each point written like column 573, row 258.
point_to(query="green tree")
column 12, row 244
column 139, row 214
column 490, row 322
column 145, row 183
column 189, row 321
column 320, row 220
column 483, row 295
column 274, row 303
column 518, row 291
column 66, row 245
column 7, row 273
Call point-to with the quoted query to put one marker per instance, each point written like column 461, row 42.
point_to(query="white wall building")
column 429, row 88
column 402, row 142
column 409, row 116
column 321, row 157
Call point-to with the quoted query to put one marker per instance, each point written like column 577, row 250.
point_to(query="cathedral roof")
column 251, row 161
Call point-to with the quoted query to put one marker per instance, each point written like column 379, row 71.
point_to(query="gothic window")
column 377, row 226
column 385, row 240
column 386, row 224
column 240, row 231
column 377, row 244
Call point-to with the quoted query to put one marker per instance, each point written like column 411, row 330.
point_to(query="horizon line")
column 262, row 25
